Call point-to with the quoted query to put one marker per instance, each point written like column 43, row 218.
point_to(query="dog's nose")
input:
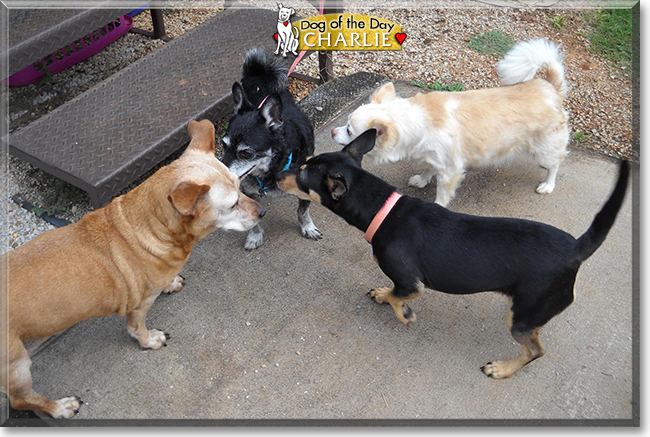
column 333, row 132
column 262, row 212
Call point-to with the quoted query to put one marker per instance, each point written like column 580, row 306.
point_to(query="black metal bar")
column 158, row 24
column 305, row 78
column 325, row 67
column 54, row 221
column 326, row 59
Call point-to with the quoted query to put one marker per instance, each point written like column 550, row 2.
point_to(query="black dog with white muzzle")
column 267, row 134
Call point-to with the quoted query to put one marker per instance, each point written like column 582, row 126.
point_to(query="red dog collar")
column 381, row 215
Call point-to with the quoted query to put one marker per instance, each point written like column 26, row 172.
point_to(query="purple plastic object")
column 29, row 74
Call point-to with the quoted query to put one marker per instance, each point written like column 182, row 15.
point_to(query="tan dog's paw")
column 176, row 285
column 156, row 340
column 402, row 311
column 67, row 407
column 380, row 295
column 498, row 369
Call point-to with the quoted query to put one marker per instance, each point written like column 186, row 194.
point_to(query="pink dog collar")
column 381, row 215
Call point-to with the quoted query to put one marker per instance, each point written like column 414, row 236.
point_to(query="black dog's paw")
column 254, row 240
column 311, row 231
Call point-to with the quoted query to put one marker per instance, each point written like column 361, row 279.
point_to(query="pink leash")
column 262, row 102
column 302, row 53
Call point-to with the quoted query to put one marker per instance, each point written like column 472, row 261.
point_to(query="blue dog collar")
column 286, row 167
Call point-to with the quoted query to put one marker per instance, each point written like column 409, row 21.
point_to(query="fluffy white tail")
column 523, row 61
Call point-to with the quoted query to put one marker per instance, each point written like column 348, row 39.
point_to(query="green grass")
column 559, row 22
column 612, row 35
column 437, row 86
column 491, row 43
column 58, row 198
column 580, row 137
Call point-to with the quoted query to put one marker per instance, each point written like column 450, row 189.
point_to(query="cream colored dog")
column 117, row 259
column 452, row 131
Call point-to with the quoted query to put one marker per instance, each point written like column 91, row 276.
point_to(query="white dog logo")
column 287, row 40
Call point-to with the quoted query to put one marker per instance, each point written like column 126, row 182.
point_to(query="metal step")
column 107, row 137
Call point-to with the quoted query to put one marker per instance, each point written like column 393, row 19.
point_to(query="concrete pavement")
column 287, row 331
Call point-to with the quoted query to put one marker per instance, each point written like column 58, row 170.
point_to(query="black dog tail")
column 604, row 220
column 263, row 73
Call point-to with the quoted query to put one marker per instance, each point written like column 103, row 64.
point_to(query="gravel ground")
column 599, row 96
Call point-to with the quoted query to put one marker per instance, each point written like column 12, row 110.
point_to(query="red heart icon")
column 275, row 35
column 400, row 37
column 285, row 23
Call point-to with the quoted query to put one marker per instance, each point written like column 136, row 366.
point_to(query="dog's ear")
column 292, row 11
column 271, row 111
column 279, row 5
column 384, row 94
column 387, row 132
column 202, row 136
column 337, row 186
column 361, row 145
column 185, row 195
column 241, row 102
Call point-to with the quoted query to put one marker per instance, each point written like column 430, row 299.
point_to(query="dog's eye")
column 349, row 131
column 245, row 154
column 235, row 205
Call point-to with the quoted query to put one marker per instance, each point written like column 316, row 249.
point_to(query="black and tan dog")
column 420, row 244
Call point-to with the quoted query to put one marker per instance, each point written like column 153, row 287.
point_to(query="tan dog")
column 450, row 132
column 117, row 259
